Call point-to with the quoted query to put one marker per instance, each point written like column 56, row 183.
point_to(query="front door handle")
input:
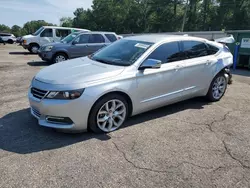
column 208, row 62
column 178, row 67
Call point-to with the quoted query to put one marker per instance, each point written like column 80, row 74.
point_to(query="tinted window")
column 62, row 33
column 82, row 39
column 5, row 35
column 111, row 37
column 212, row 49
column 167, row 52
column 96, row 38
column 193, row 49
column 47, row 33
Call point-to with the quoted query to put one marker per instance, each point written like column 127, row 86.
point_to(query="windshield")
column 123, row 52
column 38, row 31
column 69, row 38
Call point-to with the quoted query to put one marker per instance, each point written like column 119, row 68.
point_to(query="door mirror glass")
column 74, row 42
column 150, row 64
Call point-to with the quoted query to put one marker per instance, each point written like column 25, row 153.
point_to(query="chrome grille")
column 36, row 112
column 38, row 93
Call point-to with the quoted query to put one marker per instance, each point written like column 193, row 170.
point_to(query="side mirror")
column 150, row 64
column 74, row 42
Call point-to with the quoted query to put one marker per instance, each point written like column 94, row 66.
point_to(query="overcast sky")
column 20, row 11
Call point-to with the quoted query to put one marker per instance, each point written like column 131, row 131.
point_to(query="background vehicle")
column 76, row 45
column 128, row 77
column 19, row 40
column 8, row 38
column 44, row 35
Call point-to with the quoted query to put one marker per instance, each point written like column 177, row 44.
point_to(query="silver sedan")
column 131, row 76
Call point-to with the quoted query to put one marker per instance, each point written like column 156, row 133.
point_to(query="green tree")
column 66, row 22
column 32, row 26
column 4, row 28
column 16, row 30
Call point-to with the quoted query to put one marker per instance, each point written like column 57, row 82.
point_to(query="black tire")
column 210, row 95
column 33, row 47
column 54, row 59
column 10, row 41
column 92, row 122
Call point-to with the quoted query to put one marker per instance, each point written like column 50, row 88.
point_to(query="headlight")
column 74, row 94
column 48, row 48
column 24, row 41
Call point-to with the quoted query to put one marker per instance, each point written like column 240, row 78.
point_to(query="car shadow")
column 195, row 103
column 21, row 53
column 20, row 132
column 38, row 63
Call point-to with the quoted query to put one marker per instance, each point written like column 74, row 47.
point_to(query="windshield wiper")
column 102, row 61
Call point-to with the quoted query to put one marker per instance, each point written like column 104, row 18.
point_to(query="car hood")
column 56, row 44
column 28, row 36
column 80, row 70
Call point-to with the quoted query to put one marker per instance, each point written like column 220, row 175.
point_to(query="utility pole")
column 184, row 17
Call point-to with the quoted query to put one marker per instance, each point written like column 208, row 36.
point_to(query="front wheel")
column 34, row 48
column 59, row 58
column 108, row 114
column 217, row 88
column 10, row 41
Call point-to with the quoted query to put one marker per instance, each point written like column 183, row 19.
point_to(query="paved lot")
column 189, row 144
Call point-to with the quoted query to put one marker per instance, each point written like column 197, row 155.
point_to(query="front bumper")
column 77, row 110
column 46, row 56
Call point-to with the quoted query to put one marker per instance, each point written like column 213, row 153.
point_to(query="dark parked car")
column 76, row 45
column 2, row 41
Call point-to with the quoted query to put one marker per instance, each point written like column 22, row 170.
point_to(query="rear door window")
column 166, row 53
column 61, row 33
column 47, row 33
column 96, row 38
column 194, row 49
column 111, row 37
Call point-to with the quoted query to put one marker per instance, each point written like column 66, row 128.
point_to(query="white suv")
column 8, row 37
column 46, row 34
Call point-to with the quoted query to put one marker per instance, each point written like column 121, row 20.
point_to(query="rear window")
column 5, row 35
column 96, row 38
column 194, row 49
column 212, row 49
column 111, row 37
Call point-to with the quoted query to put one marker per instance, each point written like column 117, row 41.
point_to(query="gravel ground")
column 189, row 144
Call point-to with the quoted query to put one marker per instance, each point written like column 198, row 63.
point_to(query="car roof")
column 5, row 33
column 155, row 38
column 101, row 32
column 56, row 27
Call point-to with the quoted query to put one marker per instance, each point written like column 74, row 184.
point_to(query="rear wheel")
column 217, row 88
column 108, row 114
column 59, row 58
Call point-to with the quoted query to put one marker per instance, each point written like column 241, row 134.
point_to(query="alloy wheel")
column 111, row 115
column 60, row 58
column 219, row 87
column 34, row 49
